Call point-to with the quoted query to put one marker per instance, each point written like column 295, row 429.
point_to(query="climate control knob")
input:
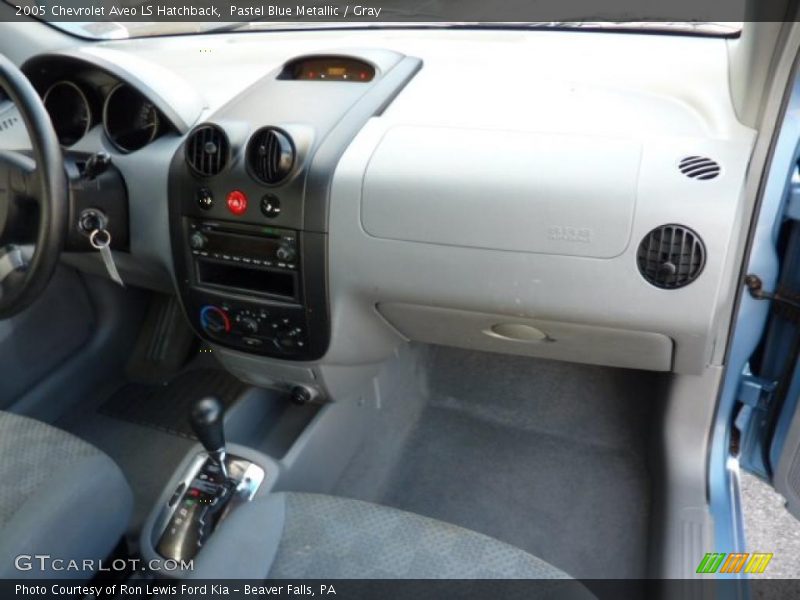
column 249, row 324
column 213, row 319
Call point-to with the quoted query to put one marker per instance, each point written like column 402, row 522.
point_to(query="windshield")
column 106, row 19
column 115, row 30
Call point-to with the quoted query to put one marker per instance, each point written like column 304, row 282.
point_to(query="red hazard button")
column 237, row 202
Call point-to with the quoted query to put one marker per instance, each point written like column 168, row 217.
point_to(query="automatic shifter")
column 207, row 421
column 213, row 485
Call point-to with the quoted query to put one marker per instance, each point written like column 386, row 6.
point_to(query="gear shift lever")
column 212, row 486
column 206, row 418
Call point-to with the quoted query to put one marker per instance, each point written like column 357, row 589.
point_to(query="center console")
column 248, row 197
column 248, row 201
column 206, row 488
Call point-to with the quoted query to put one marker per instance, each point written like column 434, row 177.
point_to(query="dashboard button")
column 287, row 343
column 237, row 202
column 177, row 494
column 249, row 324
column 205, row 199
column 270, row 206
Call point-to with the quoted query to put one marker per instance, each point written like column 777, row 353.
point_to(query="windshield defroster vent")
column 270, row 155
column 699, row 167
column 207, row 150
column 671, row 256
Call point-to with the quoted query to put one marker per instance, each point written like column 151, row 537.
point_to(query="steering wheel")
column 33, row 200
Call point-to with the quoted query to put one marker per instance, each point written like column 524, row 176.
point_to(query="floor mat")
column 166, row 407
column 547, row 456
column 556, row 499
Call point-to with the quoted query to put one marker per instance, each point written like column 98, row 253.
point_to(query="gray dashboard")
column 498, row 199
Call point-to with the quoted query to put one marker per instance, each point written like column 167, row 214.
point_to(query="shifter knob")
column 206, row 418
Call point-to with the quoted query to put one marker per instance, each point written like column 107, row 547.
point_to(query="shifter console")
column 214, row 484
column 201, row 500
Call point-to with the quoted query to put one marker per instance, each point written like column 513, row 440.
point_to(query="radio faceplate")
column 260, row 246
column 262, row 261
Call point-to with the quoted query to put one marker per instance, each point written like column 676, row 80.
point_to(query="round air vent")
column 270, row 155
column 699, row 167
column 671, row 256
column 207, row 150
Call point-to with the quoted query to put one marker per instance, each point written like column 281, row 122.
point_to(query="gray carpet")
column 544, row 455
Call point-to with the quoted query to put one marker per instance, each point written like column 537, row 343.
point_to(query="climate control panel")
column 278, row 331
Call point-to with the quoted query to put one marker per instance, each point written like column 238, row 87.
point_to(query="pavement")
column 770, row 528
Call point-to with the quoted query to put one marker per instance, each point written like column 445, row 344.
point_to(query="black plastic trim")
column 321, row 127
column 373, row 103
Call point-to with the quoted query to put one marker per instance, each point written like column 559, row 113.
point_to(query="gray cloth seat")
column 312, row 536
column 59, row 496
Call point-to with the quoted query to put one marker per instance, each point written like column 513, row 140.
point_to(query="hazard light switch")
column 237, row 202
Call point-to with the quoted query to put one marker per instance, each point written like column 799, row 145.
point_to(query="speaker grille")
column 699, row 167
column 671, row 256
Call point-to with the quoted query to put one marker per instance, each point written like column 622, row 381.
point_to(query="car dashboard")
column 317, row 198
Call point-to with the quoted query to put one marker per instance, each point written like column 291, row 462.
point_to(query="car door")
column 765, row 425
column 768, row 418
column 757, row 427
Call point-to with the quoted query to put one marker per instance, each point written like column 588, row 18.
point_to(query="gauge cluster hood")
column 173, row 96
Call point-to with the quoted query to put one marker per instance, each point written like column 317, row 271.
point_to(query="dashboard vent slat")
column 270, row 155
column 671, row 256
column 207, row 150
column 699, row 167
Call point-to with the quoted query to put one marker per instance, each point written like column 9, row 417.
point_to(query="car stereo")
column 255, row 260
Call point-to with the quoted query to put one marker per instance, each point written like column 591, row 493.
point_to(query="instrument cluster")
column 80, row 98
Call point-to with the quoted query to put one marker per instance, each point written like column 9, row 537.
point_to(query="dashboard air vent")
column 207, row 150
column 699, row 167
column 270, row 155
column 671, row 256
